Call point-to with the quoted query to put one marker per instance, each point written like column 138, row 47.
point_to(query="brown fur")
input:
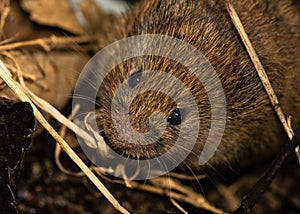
column 253, row 131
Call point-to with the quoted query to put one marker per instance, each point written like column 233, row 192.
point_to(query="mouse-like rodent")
column 252, row 131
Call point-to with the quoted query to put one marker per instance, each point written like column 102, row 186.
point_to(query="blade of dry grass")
column 4, row 14
column 261, row 72
column 178, row 206
column 48, row 43
column 15, row 86
column 61, row 118
column 166, row 186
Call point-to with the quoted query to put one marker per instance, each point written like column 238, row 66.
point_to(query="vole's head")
column 145, row 103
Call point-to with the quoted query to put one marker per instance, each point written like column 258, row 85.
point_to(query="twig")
column 4, row 15
column 57, row 151
column 262, row 185
column 15, row 86
column 48, row 43
column 194, row 199
column 61, row 118
column 178, row 206
column 187, row 177
column 186, row 195
column 261, row 72
column 166, row 186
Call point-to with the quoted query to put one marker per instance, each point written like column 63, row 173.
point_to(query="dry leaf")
column 17, row 26
column 49, row 75
column 55, row 13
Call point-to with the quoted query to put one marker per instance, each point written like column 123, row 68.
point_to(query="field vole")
column 252, row 131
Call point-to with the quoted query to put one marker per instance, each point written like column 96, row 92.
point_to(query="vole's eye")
column 135, row 79
column 175, row 118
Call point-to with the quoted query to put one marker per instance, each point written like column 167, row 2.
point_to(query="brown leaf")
column 56, row 13
column 51, row 76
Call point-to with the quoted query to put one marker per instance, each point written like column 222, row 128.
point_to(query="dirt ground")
column 43, row 188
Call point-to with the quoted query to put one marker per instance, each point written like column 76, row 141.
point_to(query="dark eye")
column 135, row 79
column 175, row 118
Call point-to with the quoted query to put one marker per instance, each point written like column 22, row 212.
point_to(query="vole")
column 252, row 131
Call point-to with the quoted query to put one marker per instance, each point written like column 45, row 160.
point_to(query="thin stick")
column 15, row 86
column 47, row 43
column 261, row 72
column 4, row 14
column 187, row 177
column 167, row 187
column 264, row 182
column 61, row 118
column 57, row 151
column 195, row 200
column 180, row 208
